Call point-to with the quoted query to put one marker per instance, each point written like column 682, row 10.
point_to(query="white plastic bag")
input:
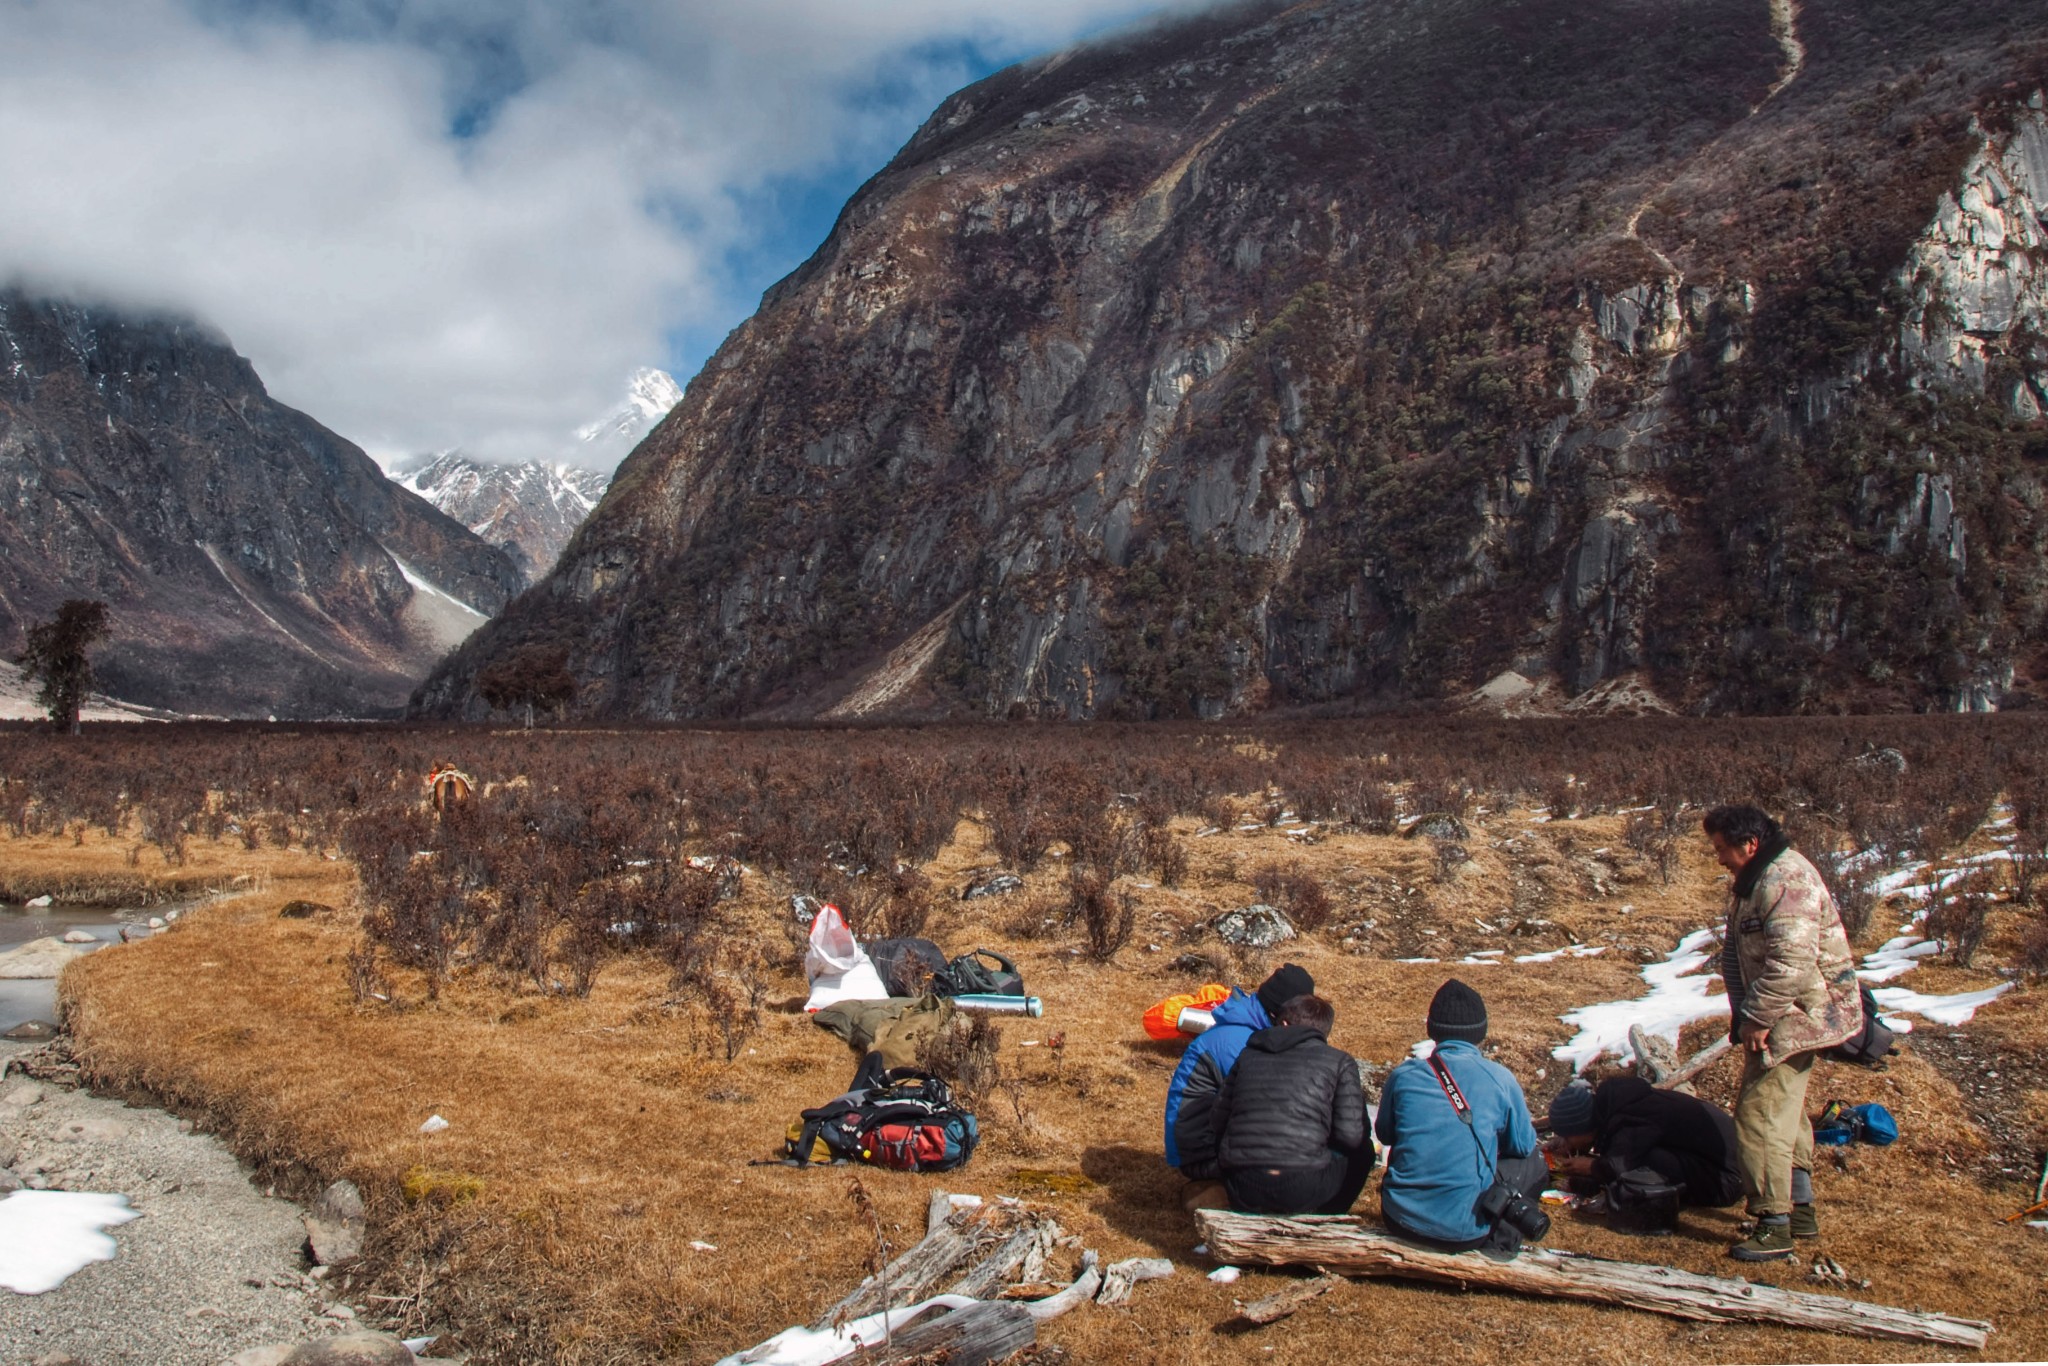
column 839, row 969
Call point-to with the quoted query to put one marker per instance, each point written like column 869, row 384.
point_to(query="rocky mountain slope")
column 529, row 510
column 255, row 563
column 1352, row 352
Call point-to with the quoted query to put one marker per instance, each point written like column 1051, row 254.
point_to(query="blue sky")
column 438, row 223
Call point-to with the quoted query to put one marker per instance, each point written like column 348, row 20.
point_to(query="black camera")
column 1504, row 1204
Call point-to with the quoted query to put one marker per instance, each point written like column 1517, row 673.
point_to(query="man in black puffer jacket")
column 1290, row 1119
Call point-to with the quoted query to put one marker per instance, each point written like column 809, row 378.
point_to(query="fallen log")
column 1694, row 1067
column 1118, row 1280
column 972, row 1250
column 975, row 1336
column 1281, row 1303
column 1341, row 1243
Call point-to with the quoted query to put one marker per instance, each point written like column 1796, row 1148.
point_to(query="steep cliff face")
column 1355, row 351
column 254, row 562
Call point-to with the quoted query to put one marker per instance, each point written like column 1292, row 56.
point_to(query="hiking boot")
column 1770, row 1243
column 1805, row 1223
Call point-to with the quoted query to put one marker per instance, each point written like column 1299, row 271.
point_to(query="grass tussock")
column 608, row 1092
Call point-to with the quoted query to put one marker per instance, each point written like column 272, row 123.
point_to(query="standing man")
column 1191, row 1095
column 1791, row 992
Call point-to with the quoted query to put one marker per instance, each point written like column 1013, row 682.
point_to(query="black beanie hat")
column 1456, row 1012
column 1288, row 981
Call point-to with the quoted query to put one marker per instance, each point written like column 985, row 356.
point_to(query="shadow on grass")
column 1141, row 1198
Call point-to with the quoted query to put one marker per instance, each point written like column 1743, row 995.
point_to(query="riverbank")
column 213, row 1267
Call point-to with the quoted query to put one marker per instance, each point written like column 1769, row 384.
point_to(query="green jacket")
column 1797, row 974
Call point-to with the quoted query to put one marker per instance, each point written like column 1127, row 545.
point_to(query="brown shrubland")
column 614, row 1032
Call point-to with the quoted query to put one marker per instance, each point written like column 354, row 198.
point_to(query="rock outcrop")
column 254, row 562
column 1342, row 353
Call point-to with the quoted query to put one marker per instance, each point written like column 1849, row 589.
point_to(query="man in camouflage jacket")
column 1791, row 992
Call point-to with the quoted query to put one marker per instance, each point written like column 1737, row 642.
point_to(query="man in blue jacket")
column 1464, row 1171
column 1191, row 1095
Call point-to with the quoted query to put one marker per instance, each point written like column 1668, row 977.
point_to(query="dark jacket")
column 1191, row 1095
column 1683, row 1138
column 1290, row 1101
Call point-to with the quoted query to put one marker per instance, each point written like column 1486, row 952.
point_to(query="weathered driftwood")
column 1281, row 1303
column 975, row 1336
column 1341, row 1243
column 1118, row 1280
column 972, row 1250
column 1694, row 1067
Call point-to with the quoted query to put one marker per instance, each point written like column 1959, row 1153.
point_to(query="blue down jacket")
column 1191, row 1095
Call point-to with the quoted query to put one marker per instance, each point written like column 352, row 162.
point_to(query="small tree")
column 530, row 676
column 56, row 658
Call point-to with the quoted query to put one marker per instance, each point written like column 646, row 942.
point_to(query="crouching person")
column 1191, row 1095
column 1290, row 1119
column 1463, row 1169
column 1652, row 1151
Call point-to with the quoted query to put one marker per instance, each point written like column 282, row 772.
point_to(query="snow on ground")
column 1679, row 994
column 47, row 1235
column 1949, row 1010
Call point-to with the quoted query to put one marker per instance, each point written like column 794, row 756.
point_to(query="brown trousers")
column 1772, row 1135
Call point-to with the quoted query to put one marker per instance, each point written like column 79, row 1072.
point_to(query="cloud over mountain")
column 436, row 224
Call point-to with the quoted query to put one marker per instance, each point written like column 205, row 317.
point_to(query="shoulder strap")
column 1451, row 1091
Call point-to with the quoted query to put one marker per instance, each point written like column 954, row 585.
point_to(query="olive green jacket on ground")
column 1798, row 976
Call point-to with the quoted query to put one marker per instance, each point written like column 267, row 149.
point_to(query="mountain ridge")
column 254, row 562
column 1348, row 354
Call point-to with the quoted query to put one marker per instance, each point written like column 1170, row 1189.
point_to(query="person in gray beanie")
column 1464, row 1172
column 1627, row 1131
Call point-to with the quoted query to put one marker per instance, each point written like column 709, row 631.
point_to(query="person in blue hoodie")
column 1191, row 1095
column 1464, row 1171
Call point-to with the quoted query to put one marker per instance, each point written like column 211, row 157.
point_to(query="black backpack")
column 968, row 976
column 1641, row 1200
column 1872, row 1044
column 907, row 965
column 908, row 1122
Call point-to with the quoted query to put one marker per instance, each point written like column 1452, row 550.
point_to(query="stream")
column 35, row 998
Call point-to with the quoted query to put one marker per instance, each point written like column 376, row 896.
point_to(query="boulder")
column 805, row 908
column 334, row 1226
column 1437, row 826
column 350, row 1349
column 31, row 1031
column 79, row 937
column 991, row 884
column 272, row 1355
column 38, row 958
column 302, row 910
column 1258, row 926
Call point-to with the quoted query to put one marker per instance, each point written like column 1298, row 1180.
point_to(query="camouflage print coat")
column 1796, row 973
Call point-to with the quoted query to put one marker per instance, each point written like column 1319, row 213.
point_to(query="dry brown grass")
column 609, row 1133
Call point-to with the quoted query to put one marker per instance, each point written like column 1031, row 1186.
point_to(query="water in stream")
column 35, row 998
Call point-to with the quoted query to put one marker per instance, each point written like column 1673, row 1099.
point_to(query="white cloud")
column 289, row 173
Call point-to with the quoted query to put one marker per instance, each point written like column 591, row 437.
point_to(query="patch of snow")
column 1949, row 1010
column 1568, row 951
column 1896, row 957
column 1415, row 960
column 1679, row 994
column 421, row 583
column 45, row 1236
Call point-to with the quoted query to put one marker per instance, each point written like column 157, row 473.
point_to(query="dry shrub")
column 2033, row 955
column 965, row 1056
column 1959, row 918
column 1165, row 854
column 1106, row 913
column 1297, row 892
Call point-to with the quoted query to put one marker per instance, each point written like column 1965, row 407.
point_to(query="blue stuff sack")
column 1840, row 1124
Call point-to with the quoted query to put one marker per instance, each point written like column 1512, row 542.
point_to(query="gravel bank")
column 212, row 1268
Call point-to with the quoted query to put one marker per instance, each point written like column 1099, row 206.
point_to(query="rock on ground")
column 212, row 1268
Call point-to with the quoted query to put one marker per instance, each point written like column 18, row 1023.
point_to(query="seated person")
column 1290, row 1119
column 1190, row 1138
column 1628, row 1125
column 1463, row 1171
